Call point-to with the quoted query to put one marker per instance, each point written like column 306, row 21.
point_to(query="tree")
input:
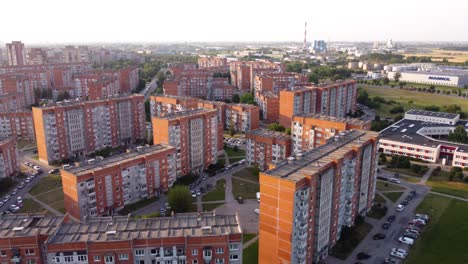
column 64, row 95
column 459, row 134
column 288, row 131
column 313, row 78
column 397, row 77
column 235, row 98
column 180, row 198
column 276, row 127
column 383, row 157
column 247, row 98
column 397, row 109
column 386, row 80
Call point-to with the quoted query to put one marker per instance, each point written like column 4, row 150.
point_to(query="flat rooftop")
column 438, row 71
column 190, row 112
column 432, row 114
column 79, row 102
column 269, row 134
column 243, row 105
column 118, row 159
column 121, row 228
column 174, row 97
column 312, row 160
column 24, row 225
column 354, row 121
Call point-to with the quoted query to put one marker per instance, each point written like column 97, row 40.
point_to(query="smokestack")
column 304, row 47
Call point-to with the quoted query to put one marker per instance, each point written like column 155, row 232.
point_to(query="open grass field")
column 217, row 194
column 245, row 189
column 211, row 206
column 46, row 184
column 379, row 199
column 247, row 174
column 439, row 55
column 31, row 206
column 444, row 239
column 247, row 237
column 408, row 172
column 250, row 254
column 410, row 179
column 440, row 183
column 394, row 196
column 233, row 155
column 419, row 100
column 386, row 186
column 49, row 191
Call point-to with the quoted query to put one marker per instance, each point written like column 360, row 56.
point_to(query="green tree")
column 276, row 127
column 247, row 98
column 459, row 134
column 397, row 77
column 235, row 98
column 180, row 198
column 383, row 157
column 63, row 95
column 386, row 80
column 313, row 78
column 288, row 131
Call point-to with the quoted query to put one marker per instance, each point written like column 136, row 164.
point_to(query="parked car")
column 405, row 203
column 400, row 208
column 240, row 199
column 36, row 167
column 422, row 221
column 412, row 230
column 362, row 255
column 400, row 250
column 406, row 240
column 397, row 254
column 391, row 218
column 257, row 211
column 6, row 198
column 394, row 180
column 53, row 171
column 410, row 235
column 386, row 225
column 378, row 236
column 423, row 216
column 390, row 261
column 20, row 186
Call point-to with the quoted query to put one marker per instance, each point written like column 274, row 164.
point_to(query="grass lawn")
column 247, row 174
column 386, row 186
column 52, row 197
column 377, row 211
column 440, row 183
column 350, row 240
column 245, row 189
column 444, row 239
column 408, row 172
column 394, row 196
column 211, row 206
column 410, row 179
column 247, row 237
column 29, row 205
column 233, row 155
column 135, row 206
column 379, row 199
column 46, row 184
column 419, row 99
column 250, row 254
column 217, row 194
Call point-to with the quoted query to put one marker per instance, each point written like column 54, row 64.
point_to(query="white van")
column 400, row 208
column 406, row 240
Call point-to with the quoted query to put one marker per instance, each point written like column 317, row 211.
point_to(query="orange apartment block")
column 242, row 117
column 17, row 124
column 275, row 81
column 194, row 134
column 210, row 62
column 309, row 131
column 102, row 187
column 40, row 239
column 241, row 72
column 221, row 117
column 8, row 164
column 264, row 147
column 165, row 104
column 295, row 101
column 269, row 105
column 307, row 199
column 73, row 129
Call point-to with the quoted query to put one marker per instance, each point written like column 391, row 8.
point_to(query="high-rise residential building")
column 295, row 101
column 269, row 105
column 210, row 62
column 102, row 187
column 183, row 238
column 194, row 134
column 8, row 164
column 320, row 46
column 165, row 104
column 221, row 117
column 37, row 56
column 129, row 79
column 242, row 72
column 18, row 124
column 308, row 199
column 242, row 117
column 276, row 81
column 21, row 87
column 16, row 53
column 309, row 131
column 72, row 54
column 264, row 147
column 72, row 129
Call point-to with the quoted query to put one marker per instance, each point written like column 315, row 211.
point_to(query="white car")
column 395, row 180
column 36, row 167
column 406, row 240
column 400, row 208
column 397, row 254
column 257, row 211
column 423, row 217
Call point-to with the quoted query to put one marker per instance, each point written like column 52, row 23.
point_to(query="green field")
column 211, row 206
column 445, row 238
column 408, row 172
column 386, row 186
column 49, row 191
column 419, row 99
column 250, row 254
column 217, row 194
column 234, row 155
column 46, row 184
column 440, row 183
column 31, row 206
column 379, row 199
column 394, row 196
column 247, row 174
column 245, row 189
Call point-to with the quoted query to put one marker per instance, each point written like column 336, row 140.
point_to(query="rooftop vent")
column 111, row 233
column 291, row 160
column 18, row 228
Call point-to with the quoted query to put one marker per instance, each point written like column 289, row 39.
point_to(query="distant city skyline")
column 51, row 21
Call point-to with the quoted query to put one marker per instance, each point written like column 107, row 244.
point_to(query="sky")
column 48, row 21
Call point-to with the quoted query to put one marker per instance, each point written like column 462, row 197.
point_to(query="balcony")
column 91, row 194
column 90, row 185
column 92, row 200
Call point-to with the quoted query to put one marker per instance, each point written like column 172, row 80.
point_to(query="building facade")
column 269, row 105
column 193, row 133
column 242, row 117
column 102, row 187
column 8, row 164
column 17, row 124
column 210, row 62
column 161, row 105
column 308, row 199
column 264, row 147
column 16, row 53
column 74, row 129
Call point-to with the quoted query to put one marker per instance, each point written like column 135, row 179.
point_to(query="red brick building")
column 20, row 90
column 210, row 62
column 242, row 117
column 18, row 124
column 194, row 134
column 161, row 105
column 16, row 53
column 42, row 239
column 221, row 117
column 241, row 72
column 129, row 79
column 264, row 147
column 269, row 105
column 8, row 164
column 102, row 187
column 72, row 129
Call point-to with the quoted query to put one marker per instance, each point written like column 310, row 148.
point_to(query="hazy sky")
column 235, row 20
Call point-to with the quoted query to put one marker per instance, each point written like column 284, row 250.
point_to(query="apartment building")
column 37, row 56
column 241, row 72
column 275, row 81
column 129, row 79
column 178, row 68
column 19, row 86
column 309, row 131
column 264, row 147
column 269, row 105
column 296, row 101
column 221, row 90
column 183, row 239
column 16, row 53
column 73, row 129
column 17, row 124
column 105, row 87
column 220, row 107
column 242, row 117
column 210, row 62
column 12, row 102
column 166, row 104
column 8, row 164
column 307, row 199
column 102, row 187
column 194, row 134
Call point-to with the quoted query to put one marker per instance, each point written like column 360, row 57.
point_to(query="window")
column 123, row 256
column 82, row 258
column 219, row 261
column 97, row 258
column 109, row 259
column 68, row 258
column 194, row 252
column 57, row 259
column 30, row 251
column 207, row 253
column 233, row 247
column 194, row 261
column 155, row 251
column 233, row 257
column 139, row 252
column 31, row 261
column 3, row 253
column 219, row 250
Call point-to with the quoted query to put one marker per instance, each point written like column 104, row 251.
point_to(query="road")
column 149, row 88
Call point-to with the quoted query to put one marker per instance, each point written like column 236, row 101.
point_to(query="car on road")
column 240, row 199
column 198, row 193
column 20, row 186
column 257, row 211
column 400, row 208
column 362, row 255
column 386, row 225
column 36, row 167
column 410, row 235
column 412, row 230
column 13, row 208
column 15, row 191
column 378, row 236
column 405, row 203
column 204, row 178
column 162, row 210
column 53, row 171
column 383, row 178
column 391, row 218
column 422, row 216
column 390, row 261
column 397, row 254
column 406, row 240
column 395, row 180
column 194, row 195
